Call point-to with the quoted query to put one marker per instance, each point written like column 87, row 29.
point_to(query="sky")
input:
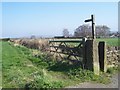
column 23, row 19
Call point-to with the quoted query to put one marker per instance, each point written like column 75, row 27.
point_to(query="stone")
column 91, row 56
column 102, row 56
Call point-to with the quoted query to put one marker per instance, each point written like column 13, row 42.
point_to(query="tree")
column 86, row 31
column 102, row 31
column 83, row 31
column 33, row 37
column 65, row 33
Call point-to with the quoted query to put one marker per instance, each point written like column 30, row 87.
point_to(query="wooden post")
column 84, row 51
column 93, row 25
column 91, row 58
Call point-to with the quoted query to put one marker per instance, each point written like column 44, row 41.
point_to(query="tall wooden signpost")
column 91, row 50
column 93, row 25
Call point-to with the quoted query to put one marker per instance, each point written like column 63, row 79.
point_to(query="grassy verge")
column 27, row 68
column 0, row 64
column 20, row 72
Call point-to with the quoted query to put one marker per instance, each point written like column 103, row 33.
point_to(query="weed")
column 112, row 70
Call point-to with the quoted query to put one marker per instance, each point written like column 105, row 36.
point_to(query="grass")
column 20, row 69
column 113, row 70
column 23, row 69
column 21, row 72
column 0, row 64
column 110, row 41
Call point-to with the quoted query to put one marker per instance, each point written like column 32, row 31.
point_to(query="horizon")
column 24, row 19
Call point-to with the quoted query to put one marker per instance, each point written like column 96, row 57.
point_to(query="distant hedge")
column 5, row 39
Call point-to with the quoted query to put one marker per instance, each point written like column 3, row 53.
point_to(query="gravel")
column 113, row 84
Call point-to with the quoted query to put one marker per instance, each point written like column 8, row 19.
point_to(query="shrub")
column 34, row 43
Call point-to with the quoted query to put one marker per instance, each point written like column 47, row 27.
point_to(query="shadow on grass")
column 65, row 66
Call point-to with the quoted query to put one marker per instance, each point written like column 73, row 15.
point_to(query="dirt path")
column 113, row 84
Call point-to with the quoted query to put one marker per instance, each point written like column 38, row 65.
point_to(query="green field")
column 111, row 41
column 20, row 69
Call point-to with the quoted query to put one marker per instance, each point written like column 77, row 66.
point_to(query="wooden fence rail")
column 71, row 48
column 83, row 50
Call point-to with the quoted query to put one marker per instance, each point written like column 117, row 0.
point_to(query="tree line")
column 85, row 30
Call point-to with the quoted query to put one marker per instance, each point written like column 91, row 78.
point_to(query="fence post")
column 84, row 54
column 102, row 56
column 91, row 56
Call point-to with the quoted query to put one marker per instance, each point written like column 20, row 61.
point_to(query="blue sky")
column 21, row 19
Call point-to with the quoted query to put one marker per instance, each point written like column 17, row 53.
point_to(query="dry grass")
column 40, row 44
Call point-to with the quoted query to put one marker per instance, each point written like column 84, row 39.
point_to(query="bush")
column 34, row 43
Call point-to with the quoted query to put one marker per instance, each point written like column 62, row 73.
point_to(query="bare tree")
column 102, row 31
column 33, row 37
column 65, row 33
column 83, row 31
column 86, row 31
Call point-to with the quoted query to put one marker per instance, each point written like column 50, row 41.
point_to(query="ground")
column 20, row 68
column 113, row 84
